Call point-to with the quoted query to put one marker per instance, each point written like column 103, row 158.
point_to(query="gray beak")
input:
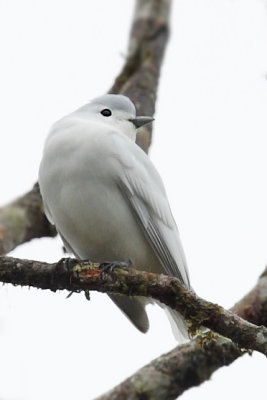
column 140, row 121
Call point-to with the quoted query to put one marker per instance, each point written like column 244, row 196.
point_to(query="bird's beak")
column 140, row 121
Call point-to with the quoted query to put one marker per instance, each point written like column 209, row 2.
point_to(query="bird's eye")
column 106, row 112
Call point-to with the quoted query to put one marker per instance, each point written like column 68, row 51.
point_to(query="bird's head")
column 118, row 112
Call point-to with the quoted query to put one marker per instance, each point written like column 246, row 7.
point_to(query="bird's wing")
column 47, row 212
column 143, row 189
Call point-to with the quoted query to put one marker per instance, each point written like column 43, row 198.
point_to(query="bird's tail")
column 178, row 325
column 134, row 309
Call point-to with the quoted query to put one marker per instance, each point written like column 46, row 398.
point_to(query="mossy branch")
column 76, row 276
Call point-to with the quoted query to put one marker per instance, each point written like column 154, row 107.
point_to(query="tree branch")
column 169, row 375
column 185, row 366
column 76, row 276
column 24, row 219
column 188, row 365
column 140, row 74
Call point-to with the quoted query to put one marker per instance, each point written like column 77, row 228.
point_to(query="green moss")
column 205, row 338
column 85, row 266
column 140, row 387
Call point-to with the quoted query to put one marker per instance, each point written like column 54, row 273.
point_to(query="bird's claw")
column 87, row 295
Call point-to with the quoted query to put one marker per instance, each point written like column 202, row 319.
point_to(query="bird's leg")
column 64, row 265
column 110, row 265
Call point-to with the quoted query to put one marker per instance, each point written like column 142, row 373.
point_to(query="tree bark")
column 169, row 375
column 187, row 365
column 76, row 276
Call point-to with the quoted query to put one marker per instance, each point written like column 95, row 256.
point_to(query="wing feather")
column 144, row 191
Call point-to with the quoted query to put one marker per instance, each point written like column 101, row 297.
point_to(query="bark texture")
column 76, row 276
column 168, row 376
column 188, row 365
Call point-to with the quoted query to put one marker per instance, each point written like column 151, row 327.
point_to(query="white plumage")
column 106, row 198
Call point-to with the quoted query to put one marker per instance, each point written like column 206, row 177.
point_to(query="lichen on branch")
column 79, row 276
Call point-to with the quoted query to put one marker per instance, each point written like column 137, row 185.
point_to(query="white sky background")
column 209, row 146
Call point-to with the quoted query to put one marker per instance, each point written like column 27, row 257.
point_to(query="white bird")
column 107, row 200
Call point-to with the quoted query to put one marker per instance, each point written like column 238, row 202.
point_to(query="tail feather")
column 177, row 322
column 134, row 309
column 178, row 325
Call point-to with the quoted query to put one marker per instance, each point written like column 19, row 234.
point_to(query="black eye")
column 106, row 112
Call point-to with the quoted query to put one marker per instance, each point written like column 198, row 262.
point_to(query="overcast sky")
column 209, row 145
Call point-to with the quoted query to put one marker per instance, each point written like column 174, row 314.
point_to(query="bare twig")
column 86, row 276
column 24, row 219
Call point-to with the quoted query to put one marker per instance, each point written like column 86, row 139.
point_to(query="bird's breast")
column 78, row 180
column 98, row 223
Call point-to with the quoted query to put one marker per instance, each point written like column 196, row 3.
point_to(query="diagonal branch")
column 76, row 276
column 186, row 366
column 169, row 375
column 24, row 219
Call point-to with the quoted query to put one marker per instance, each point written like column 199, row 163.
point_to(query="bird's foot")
column 110, row 265
column 65, row 265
